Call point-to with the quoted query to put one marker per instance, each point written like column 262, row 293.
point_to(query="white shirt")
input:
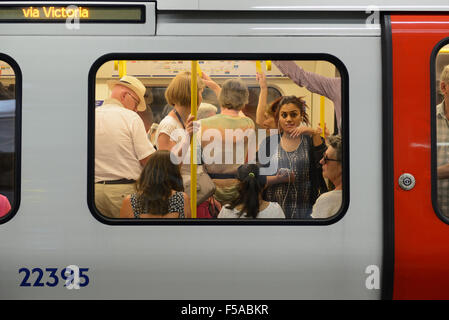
column 178, row 134
column 7, row 121
column 273, row 210
column 327, row 205
column 171, row 128
column 120, row 142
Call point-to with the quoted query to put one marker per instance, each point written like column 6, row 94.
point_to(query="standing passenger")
column 226, row 139
column 442, row 121
column 177, row 95
column 300, row 155
column 121, row 144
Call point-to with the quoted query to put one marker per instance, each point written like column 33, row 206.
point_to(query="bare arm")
column 328, row 87
column 187, row 212
column 262, row 105
column 443, row 171
column 211, row 84
column 271, row 180
column 144, row 161
column 126, row 210
column 164, row 142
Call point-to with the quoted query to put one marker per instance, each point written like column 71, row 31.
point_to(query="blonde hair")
column 178, row 91
column 234, row 94
column 444, row 77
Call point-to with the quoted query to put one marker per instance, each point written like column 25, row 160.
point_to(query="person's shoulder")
column 273, row 210
column 211, row 119
column 227, row 212
column 167, row 123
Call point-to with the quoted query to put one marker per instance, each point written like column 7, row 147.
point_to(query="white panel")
column 54, row 227
column 266, row 24
column 305, row 5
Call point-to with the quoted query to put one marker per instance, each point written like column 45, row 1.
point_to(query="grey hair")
column 335, row 142
column 205, row 109
column 234, row 94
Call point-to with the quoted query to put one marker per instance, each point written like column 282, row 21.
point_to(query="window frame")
column 219, row 56
column 433, row 129
column 17, row 138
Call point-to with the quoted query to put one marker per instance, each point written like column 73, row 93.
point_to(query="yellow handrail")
column 122, row 68
column 259, row 65
column 193, row 111
column 322, row 115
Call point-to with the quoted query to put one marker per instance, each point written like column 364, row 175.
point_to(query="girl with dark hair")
column 296, row 154
column 249, row 203
column 160, row 192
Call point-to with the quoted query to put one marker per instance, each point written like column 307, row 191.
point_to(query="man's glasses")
column 326, row 159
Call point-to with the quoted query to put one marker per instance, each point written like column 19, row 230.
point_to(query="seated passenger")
column 226, row 138
column 159, row 191
column 329, row 203
column 297, row 156
column 249, row 203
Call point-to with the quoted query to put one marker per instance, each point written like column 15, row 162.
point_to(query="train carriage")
column 387, row 241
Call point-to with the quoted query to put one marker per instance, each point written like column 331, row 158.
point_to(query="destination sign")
column 85, row 13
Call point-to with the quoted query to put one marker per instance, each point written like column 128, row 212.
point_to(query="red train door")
column 421, row 232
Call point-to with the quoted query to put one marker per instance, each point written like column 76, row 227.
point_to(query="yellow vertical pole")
column 322, row 115
column 258, row 66
column 122, row 68
column 268, row 65
column 200, row 73
column 193, row 111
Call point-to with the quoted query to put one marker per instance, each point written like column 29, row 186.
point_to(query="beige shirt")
column 327, row 204
column 120, row 142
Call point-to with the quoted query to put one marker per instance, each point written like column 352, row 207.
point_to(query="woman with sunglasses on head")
column 329, row 203
column 298, row 181
column 249, row 203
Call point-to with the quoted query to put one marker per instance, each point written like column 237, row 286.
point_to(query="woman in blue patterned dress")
column 300, row 154
column 160, row 192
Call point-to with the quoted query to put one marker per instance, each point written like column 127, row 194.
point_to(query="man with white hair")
column 442, row 121
column 206, row 110
column 121, row 145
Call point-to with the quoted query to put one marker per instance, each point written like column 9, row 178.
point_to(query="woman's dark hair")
column 275, row 107
column 156, row 182
column 251, row 184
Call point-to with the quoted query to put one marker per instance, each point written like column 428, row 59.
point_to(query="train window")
column 261, row 144
column 440, row 99
column 9, row 195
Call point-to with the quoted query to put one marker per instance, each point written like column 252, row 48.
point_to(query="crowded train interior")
column 267, row 138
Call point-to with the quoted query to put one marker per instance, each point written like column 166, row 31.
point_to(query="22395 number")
column 73, row 277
